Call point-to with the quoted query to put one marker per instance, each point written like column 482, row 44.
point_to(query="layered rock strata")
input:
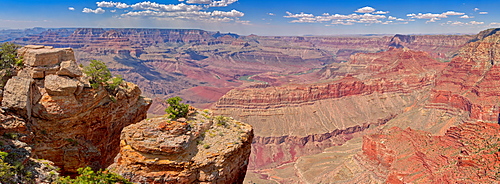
column 465, row 154
column 73, row 124
column 470, row 82
column 197, row 149
column 293, row 121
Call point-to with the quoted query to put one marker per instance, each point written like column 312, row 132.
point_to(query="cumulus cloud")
column 476, row 9
column 301, row 15
column 186, row 10
column 272, row 14
column 111, row 4
column 222, row 3
column 165, row 7
column 71, row 8
column 483, row 13
column 433, row 17
column 495, row 24
column 381, row 12
column 466, row 17
column 397, row 19
column 458, row 23
column 232, row 13
column 199, row 1
column 365, row 9
column 96, row 11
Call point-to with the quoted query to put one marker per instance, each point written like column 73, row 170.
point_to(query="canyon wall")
column 189, row 62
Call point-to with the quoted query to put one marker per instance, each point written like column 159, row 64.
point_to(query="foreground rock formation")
column 71, row 123
column 197, row 149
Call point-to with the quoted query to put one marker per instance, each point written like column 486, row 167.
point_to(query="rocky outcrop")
column 197, row 149
column 470, row 80
column 16, row 141
column 466, row 154
column 72, row 124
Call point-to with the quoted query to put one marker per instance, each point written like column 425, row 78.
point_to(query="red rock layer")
column 470, row 81
column 466, row 154
column 396, row 70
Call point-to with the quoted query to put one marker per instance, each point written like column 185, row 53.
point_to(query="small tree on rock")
column 98, row 73
column 176, row 109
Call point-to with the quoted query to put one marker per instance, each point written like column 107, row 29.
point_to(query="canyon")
column 324, row 109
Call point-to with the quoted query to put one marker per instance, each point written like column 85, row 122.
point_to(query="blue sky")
column 261, row 17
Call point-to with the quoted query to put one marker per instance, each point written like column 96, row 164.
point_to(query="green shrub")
column 221, row 120
column 98, row 72
column 176, row 109
column 8, row 56
column 6, row 170
column 100, row 75
column 88, row 176
column 115, row 82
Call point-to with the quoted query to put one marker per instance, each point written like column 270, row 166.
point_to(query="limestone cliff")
column 197, row 149
column 71, row 123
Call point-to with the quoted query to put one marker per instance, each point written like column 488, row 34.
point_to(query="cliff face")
column 465, row 154
column 199, row 149
column 470, row 80
column 173, row 62
column 73, row 124
column 460, row 109
column 293, row 121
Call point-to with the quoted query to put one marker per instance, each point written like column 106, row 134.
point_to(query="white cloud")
column 165, row 7
column 71, row 8
column 458, row 23
column 111, row 4
column 272, row 14
column 483, row 13
column 96, row 11
column 495, row 24
column 232, row 13
column 475, row 23
column 466, row 17
column 222, row 3
column 433, row 17
column 476, row 9
column 301, row 15
column 186, row 10
column 381, row 12
column 365, row 9
column 199, row 1
column 452, row 13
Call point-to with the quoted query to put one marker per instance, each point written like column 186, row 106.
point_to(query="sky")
column 260, row 17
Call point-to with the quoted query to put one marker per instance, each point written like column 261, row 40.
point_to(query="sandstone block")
column 45, row 56
column 70, row 68
column 18, row 94
column 60, row 85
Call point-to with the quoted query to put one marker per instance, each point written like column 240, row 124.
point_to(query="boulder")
column 60, row 85
column 70, row 68
column 18, row 95
column 45, row 56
